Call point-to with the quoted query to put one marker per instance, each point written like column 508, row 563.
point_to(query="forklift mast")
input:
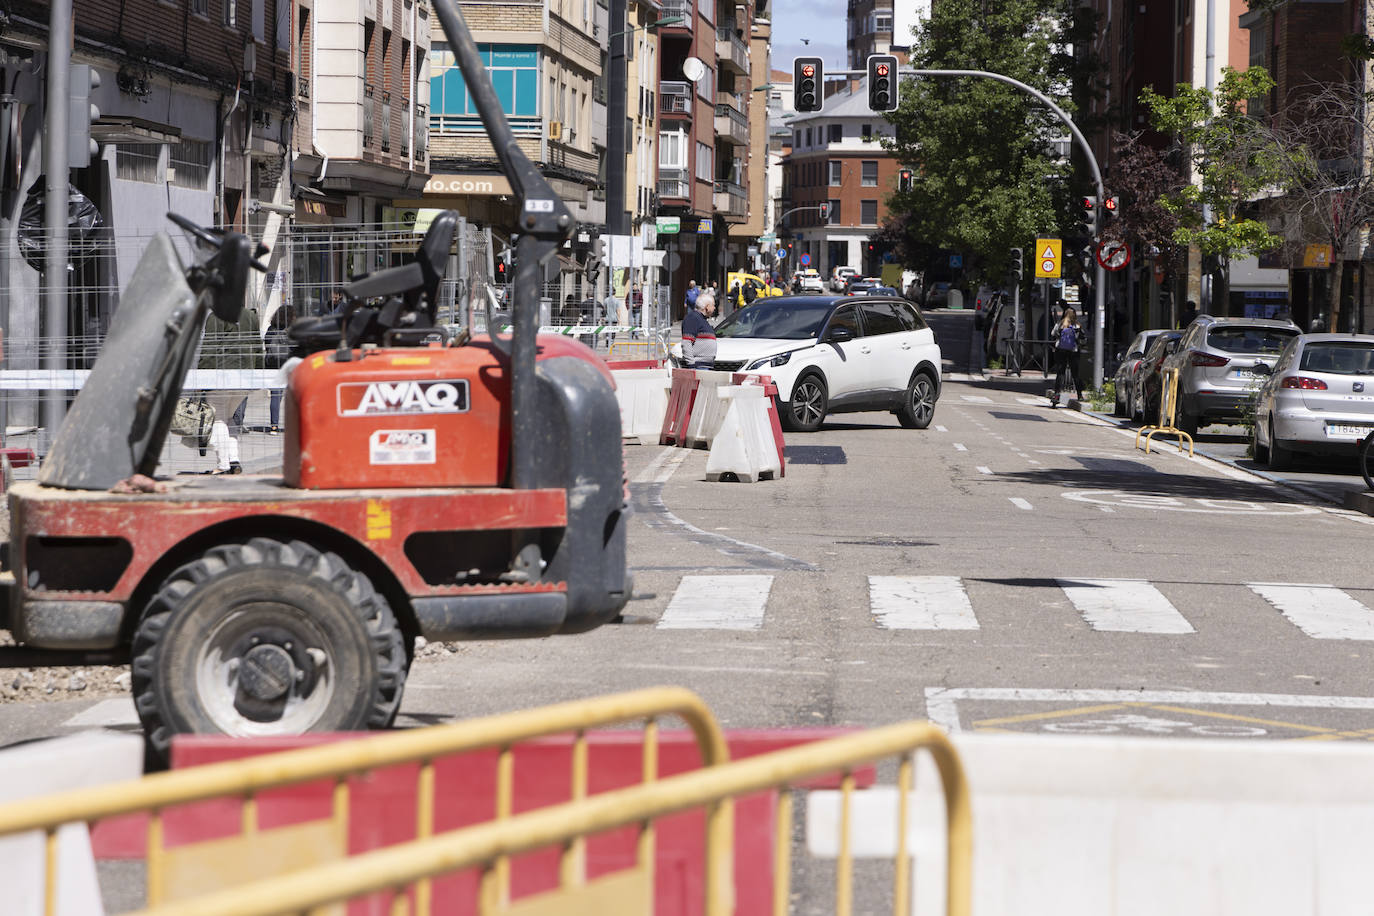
column 545, row 223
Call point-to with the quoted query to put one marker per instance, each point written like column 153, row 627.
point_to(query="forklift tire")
column 265, row 638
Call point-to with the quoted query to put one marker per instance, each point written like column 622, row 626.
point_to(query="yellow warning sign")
column 1049, row 255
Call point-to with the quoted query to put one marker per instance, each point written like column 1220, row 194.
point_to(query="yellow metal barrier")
column 630, row 891
column 302, row 845
column 655, row 348
column 1168, row 409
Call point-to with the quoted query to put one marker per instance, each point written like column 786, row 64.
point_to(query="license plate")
column 1341, row 431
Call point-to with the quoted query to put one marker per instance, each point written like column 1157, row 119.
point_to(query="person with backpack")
column 1068, row 338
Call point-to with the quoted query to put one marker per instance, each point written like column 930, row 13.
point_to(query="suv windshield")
column 786, row 319
column 1249, row 340
column 1339, row 358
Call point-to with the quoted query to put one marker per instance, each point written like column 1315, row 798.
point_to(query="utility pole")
column 54, row 326
column 617, row 217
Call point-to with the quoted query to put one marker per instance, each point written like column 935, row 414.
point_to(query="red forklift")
column 450, row 486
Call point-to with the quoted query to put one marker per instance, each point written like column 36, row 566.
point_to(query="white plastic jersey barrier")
column 196, row 379
column 1083, row 826
column 643, row 398
column 708, row 410
column 43, row 768
column 743, row 446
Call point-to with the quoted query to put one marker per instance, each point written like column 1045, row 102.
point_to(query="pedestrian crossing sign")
column 1049, row 256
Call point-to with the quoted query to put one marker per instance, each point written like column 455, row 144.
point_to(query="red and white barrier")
column 643, row 397
column 743, row 448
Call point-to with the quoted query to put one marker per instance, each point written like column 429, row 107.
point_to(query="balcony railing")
column 421, row 130
column 731, row 200
column 303, row 87
column 731, row 50
column 405, row 130
column 368, row 114
column 674, row 183
column 685, row 9
column 734, row 99
column 675, row 97
column 731, row 125
column 386, row 122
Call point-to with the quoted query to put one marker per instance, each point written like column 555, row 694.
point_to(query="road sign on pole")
column 805, row 259
column 1049, row 257
column 1113, row 255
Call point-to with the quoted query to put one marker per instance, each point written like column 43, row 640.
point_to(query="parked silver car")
column 1127, row 369
column 1217, row 362
column 1319, row 398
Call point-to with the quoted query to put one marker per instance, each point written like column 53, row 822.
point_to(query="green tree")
column 987, row 176
column 1233, row 160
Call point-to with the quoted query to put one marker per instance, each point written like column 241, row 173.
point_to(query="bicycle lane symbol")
column 1151, row 725
column 1210, row 506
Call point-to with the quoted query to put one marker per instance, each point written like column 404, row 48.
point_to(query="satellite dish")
column 693, row 68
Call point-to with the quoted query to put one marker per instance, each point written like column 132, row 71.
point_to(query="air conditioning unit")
column 555, row 130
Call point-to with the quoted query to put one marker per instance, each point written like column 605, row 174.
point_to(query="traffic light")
column 1111, row 206
column 882, row 82
column 1018, row 267
column 1089, row 206
column 808, row 75
column 80, row 113
column 825, row 213
column 501, row 269
column 904, row 180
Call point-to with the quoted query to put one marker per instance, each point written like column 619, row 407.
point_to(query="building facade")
column 882, row 27
column 837, row 159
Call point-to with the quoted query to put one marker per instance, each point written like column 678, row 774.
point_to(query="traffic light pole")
column 1099, row 273
column 55, row 208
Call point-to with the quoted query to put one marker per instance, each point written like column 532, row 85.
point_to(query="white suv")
column 840, row 276
column 833, row 354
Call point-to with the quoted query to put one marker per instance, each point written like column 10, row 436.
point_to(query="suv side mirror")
column 839, row 334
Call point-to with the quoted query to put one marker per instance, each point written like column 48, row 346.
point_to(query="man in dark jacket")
column 698, row 336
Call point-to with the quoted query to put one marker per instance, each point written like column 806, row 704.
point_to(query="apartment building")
column 744, row 234
column 547, row 63
column 196, row 99
column 641, row 107
column 882, row 27
column 837, row 159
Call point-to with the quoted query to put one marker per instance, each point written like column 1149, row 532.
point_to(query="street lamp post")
column 617, row 216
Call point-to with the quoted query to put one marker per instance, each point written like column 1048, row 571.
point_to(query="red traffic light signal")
column 904, row 180
column 808, row 70
column 1111, row 206
column 808, row 73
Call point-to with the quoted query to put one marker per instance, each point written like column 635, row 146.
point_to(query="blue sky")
column 820, row 21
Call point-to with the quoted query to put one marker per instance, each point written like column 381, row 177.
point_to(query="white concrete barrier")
column 1080, row 826
column 743, row 445
column 643, row 398
column 42, row 768
column 708, row 410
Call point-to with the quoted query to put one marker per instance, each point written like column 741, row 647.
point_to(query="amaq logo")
column 415, row 397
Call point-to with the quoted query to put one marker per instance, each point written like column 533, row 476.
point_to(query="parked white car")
column 1319, row 398
column 834, row 354
column 839, row 277
column 809, row 280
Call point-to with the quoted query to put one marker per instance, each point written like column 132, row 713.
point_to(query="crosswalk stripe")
column 1320, row 611
column 976, row 398
column 1124, row 606
column 717, row 603
column 920, row 603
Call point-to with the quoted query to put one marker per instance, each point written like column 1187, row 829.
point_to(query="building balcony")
column 674, row 184
column 732, row 126
column 734, row 99
column 675, row 98
column 731, row 201
column 732, row 51
column 686, row 9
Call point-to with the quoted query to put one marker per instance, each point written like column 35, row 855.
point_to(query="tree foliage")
column 1142, row 177
column 1233, row 160
column 987, row 178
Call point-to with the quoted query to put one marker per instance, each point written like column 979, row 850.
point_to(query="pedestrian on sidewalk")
column 229, row 347
column 1068, row 338
column 698, row 337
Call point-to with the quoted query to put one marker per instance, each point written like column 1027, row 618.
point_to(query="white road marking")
column 920, row 603
column 118, row 711
column 662, row 467
column 983, row 470
column 1124, row 606
column 717, row 603
column 1320, row 611
column 1020, row 503
column 1037, row 402
column 976, row 398
column 941, row 429
column 942, row 703
column 960, row 447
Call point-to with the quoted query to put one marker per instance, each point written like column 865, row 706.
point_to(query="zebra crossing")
column 740, row 602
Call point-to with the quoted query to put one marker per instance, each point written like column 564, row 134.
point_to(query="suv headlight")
column 770, row 361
